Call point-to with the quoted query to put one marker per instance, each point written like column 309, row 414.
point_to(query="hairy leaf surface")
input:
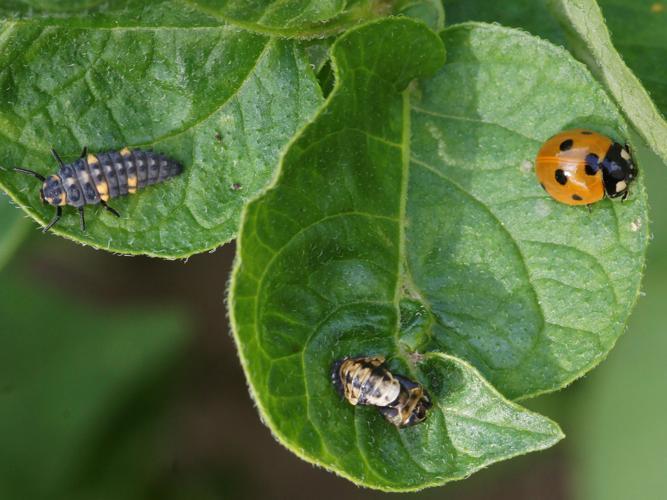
column 283, row 18
column 221, row 100
column 638, row 32
column 532, row 15
column 530, row 291
column 589, row 38
column 322, row 274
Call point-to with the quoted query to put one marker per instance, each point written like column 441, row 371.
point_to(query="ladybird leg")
column 56, row 218
column 590, row 208
column 84, row 153
column 83, row 219
column 624, row 197
column 107, row 207
column 57, row 157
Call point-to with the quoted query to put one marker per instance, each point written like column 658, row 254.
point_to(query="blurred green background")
column 118, row 379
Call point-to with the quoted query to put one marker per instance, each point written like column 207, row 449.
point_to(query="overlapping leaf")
column 284, row 18
column 532, row 15
column 530, row 291
column 221, row 100
column 589, row 38
column 638, row 32
column 637, row 29
column 325, row 257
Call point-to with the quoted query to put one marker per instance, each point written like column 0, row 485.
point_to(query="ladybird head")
column 618, row 171
column 52, row 191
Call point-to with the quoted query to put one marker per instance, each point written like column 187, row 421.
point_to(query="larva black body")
column 367, row 381
column 95, row 179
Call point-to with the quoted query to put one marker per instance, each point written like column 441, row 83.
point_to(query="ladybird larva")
column 95, row 179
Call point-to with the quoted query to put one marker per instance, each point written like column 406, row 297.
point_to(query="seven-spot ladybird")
column 95, row 179
column 367, row 381
column 578, row 167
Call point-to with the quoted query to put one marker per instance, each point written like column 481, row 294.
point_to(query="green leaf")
column 589, row 38
column 532, row 292
column 14, row 229
column 291, row 17
column 320, row 275
column 531, row 15
column 65, row 374
column 308, row 18
column 284, row 18
column 637, row 29
column 431, row 12
column 221, row 100
column 300, row 18
column 118, row 13
column 638, row 32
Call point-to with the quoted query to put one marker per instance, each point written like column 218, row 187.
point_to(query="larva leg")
column 57, row 157
column 83, row 220
column 56, row 218
column 107, row 207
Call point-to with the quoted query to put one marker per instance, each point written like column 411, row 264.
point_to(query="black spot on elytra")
column 566, row 144
column 576, row 197
column 560, row 176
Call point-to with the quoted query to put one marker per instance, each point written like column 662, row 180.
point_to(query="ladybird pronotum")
column 95, row 179
column 367, row 381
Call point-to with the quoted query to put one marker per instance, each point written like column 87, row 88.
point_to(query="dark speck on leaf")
column 218, row 136
column 236, row 186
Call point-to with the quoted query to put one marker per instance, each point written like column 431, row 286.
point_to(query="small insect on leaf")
column 93, row 180
column 581, row 167
column 367, row 381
